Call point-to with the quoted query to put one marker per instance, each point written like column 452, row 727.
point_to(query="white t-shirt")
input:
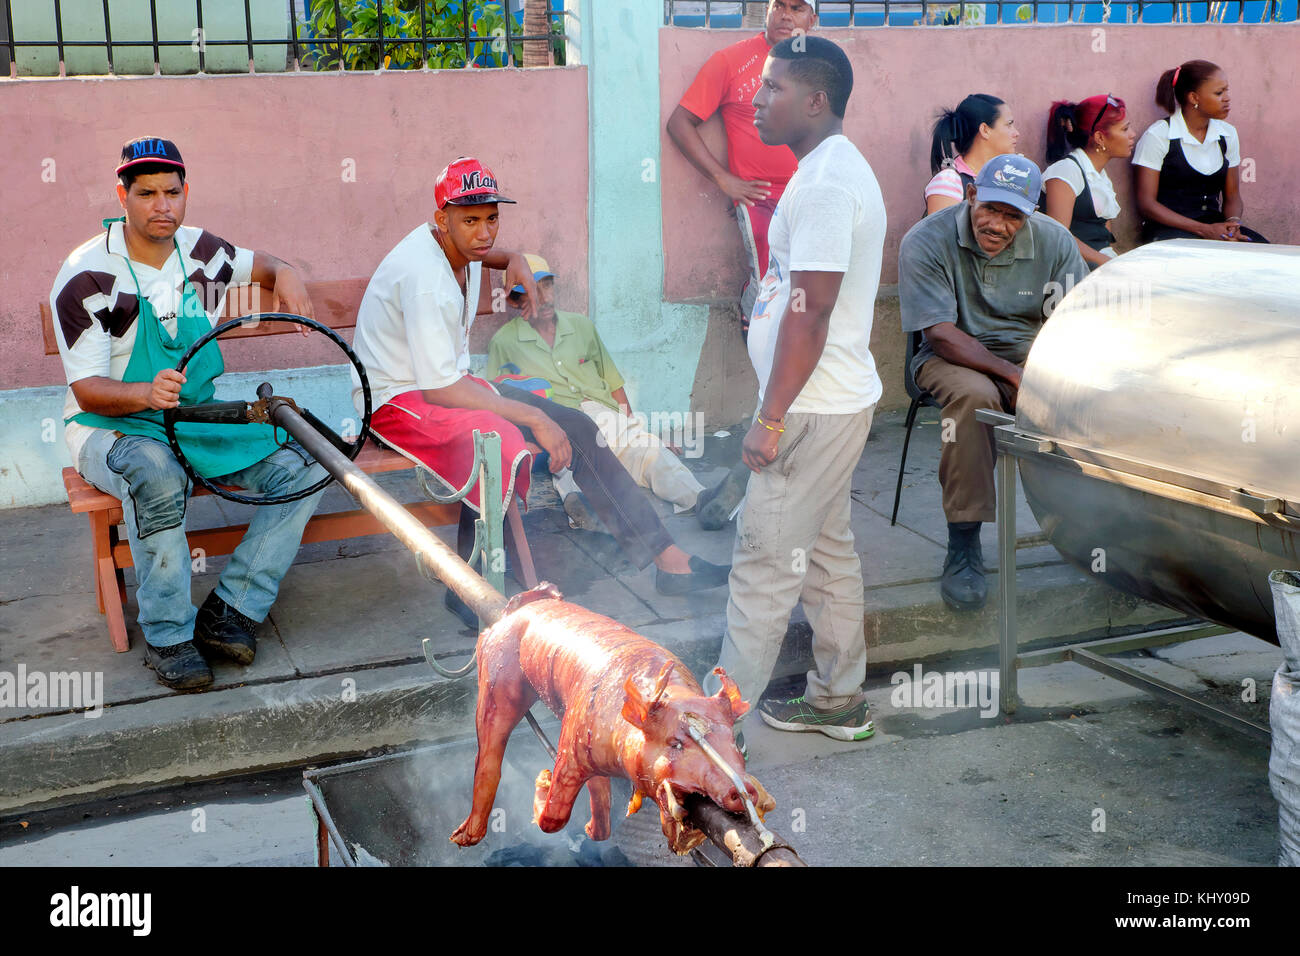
column 1104, row 202
column 1205, row 157
column 831, row 218
column 414, row 320
column 95, row 306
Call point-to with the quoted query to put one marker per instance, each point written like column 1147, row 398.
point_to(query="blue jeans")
column 154, row 490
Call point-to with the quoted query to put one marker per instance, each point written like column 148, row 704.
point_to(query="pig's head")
column 673, row 764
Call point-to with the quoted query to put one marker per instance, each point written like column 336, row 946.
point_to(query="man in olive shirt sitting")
column 564, row 349
column 979, row 279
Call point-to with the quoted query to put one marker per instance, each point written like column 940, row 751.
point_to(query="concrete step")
column 285, row 720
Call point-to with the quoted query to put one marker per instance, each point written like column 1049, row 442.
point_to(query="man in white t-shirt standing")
column 809, row 339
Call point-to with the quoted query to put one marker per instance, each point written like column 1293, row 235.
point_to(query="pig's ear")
column 731, row 694
column 661, row 683
column 635, row 709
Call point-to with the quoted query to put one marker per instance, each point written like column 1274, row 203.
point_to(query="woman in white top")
column 1078, row 193
column 964, row 139
column 1187, row 176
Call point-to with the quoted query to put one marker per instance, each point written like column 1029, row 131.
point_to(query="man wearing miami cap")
column 979, row 279
column 127, row 305
column 413, row 338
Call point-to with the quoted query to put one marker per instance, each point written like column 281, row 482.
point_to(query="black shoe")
column 702, row 576
column 715, row 505
column 452, row 602
column 180, row 667
column 220, row 629
column 963, row 585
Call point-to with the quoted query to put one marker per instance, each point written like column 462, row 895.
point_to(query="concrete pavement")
column 339, row 669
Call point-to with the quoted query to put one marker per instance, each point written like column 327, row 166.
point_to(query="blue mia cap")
column 1010, row 179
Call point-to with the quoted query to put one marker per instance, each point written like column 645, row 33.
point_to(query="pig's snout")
column 728, row 797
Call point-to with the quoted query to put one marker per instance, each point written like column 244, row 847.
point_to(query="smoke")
column 402, row 810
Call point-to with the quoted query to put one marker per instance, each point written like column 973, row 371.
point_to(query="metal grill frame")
column 1094, row 654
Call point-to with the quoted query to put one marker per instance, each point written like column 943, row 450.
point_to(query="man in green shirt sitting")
column 564, row 349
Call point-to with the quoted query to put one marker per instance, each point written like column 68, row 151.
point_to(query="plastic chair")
column 919, row 397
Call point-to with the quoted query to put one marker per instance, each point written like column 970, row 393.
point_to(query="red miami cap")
column 466, row 182
column 150, row 149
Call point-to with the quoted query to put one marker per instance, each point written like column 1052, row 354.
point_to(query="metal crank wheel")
column 261, row 411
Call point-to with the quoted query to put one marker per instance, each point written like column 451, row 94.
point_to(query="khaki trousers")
column 969, row 452
column 643, row 455
column 793, row 542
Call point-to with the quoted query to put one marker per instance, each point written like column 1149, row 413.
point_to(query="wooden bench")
column 335, row 304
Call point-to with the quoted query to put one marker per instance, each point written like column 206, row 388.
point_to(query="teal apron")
column 213, row 450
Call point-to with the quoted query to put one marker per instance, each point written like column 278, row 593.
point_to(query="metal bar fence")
column 108, row 40
column 203, row 46
column 703, row 13
column 722, row 14
column 248, row 30
column 291, row 37
column 153, row 22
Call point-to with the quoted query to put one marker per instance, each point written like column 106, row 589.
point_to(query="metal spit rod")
column 732, row 833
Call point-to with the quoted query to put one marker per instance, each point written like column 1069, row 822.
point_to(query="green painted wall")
column 656, row 344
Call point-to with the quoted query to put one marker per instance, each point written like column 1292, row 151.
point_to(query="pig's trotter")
column 598, row 826
column 540, row 793
column 504, row 696
column 554, row 796
column 467, row 834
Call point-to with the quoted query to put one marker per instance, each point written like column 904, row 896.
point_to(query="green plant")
column 398, row 21
column 954, row 15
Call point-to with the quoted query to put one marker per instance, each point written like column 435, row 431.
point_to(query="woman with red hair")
column 1081, row 139
column 1187, row 166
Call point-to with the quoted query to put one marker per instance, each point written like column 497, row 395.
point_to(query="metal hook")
column 697, row 728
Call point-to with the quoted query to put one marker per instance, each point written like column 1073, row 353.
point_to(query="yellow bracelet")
column 770, row 428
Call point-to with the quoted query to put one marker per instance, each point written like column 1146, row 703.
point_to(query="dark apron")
column 1085, row 225
column 213, row 450
column 1189, row 192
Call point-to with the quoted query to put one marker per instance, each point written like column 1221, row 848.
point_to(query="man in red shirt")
column 757, row 173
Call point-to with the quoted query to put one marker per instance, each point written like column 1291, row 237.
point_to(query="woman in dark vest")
column 1187, row 178
column 963, row 140
column 1081, row 139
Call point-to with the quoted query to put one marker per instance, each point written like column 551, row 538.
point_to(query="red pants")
column 443, row 439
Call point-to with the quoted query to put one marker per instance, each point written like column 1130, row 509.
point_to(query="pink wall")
column 265, row 159
column 903, row 74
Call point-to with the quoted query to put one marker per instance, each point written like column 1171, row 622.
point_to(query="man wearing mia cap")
column 413, row 338
column 127, row 305
column 980, row 279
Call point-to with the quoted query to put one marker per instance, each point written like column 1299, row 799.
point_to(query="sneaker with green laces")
column 850, row 722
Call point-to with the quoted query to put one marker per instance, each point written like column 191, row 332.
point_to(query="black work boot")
column 714, row 506
column 220, row 629
column 963, row 585
column 180, row 667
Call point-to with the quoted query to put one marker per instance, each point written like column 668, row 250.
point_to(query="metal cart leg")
column 1007, row 644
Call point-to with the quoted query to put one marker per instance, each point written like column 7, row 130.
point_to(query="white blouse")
column 1203, row 156
column 1104, row 202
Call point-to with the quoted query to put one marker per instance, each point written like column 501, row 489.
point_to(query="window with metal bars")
column 876, row 13
column 129, row 37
